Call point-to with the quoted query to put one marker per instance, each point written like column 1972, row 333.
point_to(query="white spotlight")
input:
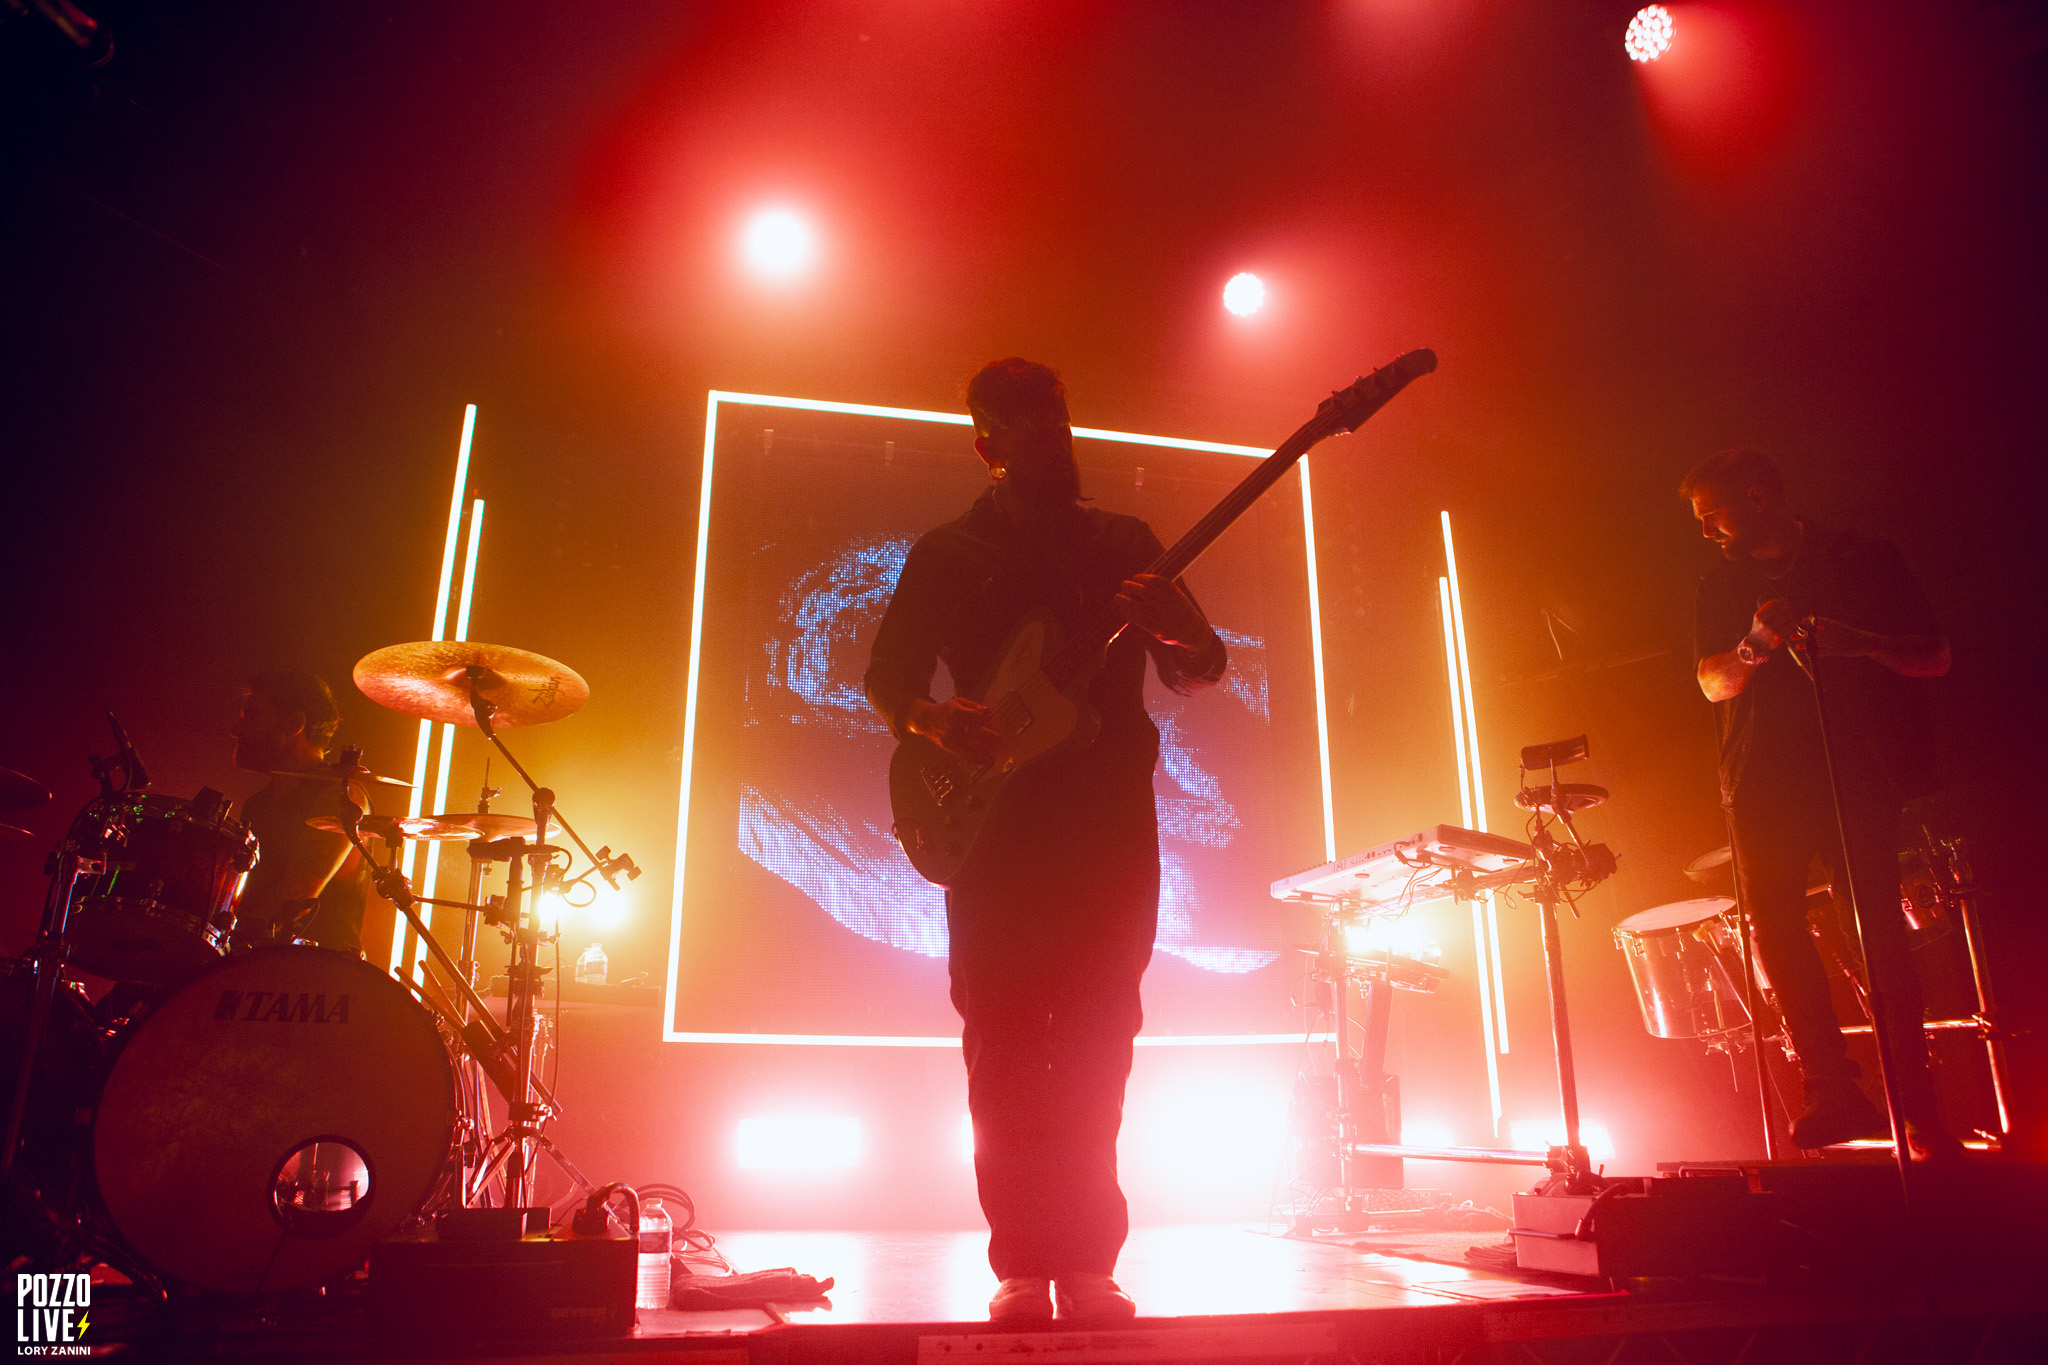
column 779, row 245
column 1245, row 294
column 1649, row 34
column 798, row 1142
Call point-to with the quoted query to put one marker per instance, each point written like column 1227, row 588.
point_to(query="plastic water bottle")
column 657, row 1231
column 590, row 968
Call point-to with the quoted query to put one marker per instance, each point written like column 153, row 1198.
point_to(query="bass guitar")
column 1038, row 690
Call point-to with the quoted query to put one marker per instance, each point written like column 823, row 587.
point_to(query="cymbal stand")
column 488, row 1043
column 52, row 946
column 68, row 865
column 478, row 1094
column 525, row 967
column 1800, row 645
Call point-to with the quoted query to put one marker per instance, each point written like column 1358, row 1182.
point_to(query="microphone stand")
column 1800, row 646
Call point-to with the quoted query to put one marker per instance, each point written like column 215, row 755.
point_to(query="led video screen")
column 797, row 915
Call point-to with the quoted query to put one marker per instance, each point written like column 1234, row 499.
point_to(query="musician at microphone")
column 1051, row 925
column 1851, row 603
column 307, row 883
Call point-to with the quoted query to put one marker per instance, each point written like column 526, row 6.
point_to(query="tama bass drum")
column 271, row 1120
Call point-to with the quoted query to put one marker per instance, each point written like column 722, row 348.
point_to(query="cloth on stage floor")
column 755, row 1289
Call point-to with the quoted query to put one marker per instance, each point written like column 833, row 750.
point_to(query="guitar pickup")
column 940, row 783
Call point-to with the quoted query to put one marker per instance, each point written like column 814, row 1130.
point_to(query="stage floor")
column 1204, row 1293
column 1204, row 1270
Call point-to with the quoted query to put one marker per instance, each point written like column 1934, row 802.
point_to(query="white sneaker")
column 1093, row 1298
column 1023, row 1300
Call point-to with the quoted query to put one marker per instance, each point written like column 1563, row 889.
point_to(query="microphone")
column 138, row 776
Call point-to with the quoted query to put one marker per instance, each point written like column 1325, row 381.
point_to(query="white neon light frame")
column 718, row 397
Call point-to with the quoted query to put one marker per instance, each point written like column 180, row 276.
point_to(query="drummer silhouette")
column 307, row 884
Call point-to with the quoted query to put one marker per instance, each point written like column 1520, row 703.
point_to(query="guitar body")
column 941, row 802
column 1039, row 689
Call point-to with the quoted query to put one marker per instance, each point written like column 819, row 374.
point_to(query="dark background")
column 255, row 264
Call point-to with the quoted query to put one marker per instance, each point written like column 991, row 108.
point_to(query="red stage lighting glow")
column 1649, row 34
column 779, row 245
column 1245, row 294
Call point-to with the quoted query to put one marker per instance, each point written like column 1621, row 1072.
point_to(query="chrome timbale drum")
column 162, row 906
column 272, row 1119
column 1679, row 956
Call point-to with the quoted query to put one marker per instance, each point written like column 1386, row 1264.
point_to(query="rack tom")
column 162, row 905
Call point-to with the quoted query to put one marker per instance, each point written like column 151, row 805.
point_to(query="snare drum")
column 161, row 909
column 1678, row 957
column 274, row 1118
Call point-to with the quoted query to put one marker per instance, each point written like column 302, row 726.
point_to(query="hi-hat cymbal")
column 430, row 679
column 19, row 791
column 342, row 772
column 489, row 825
column 17, row 832
column 407, row 827
column 1707, row 867
column 1577, row 796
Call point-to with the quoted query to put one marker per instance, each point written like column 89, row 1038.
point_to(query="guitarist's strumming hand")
column 963, row 728
column 1155, row 605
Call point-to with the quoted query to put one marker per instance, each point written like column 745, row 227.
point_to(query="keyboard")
column 1409, row 870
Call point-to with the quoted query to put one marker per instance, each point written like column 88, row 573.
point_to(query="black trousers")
column 1049, row 938
column 1776, row 837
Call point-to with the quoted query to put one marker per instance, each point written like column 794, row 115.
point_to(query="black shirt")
column 967, row 585
column 1878, row 720
column 277, row 817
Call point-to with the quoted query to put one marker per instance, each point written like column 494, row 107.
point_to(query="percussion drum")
column 162, row 908
column 1686, row 964
column 273, row 1118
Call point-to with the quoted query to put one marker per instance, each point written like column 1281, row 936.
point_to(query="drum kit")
column 1686, row 959
column 255, row 1119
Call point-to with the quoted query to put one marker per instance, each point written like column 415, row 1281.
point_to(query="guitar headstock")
column 1348, row 407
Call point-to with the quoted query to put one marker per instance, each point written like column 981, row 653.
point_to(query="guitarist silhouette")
column 1051, row 925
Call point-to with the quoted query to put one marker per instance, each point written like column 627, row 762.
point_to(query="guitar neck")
column 1345, row 410
column 1109, row 623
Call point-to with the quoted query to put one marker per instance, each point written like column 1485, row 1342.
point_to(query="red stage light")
column 1649, row 34
column 1245, row 294
column 779, row 245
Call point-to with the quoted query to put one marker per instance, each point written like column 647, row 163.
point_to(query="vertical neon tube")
column 1443, row 593
column 1500, row 995
column 433, row 863
column 1315, row 646
column 424, row 744
column 1479, row 938
column 675, row 915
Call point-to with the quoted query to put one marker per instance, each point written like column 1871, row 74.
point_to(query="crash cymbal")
column 408, row 827
column 1577, row 796
column 429, row 679
column 1707, row 867
column 19, row 791
column 17, row 832
column 487, row 825
column 341, row 772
